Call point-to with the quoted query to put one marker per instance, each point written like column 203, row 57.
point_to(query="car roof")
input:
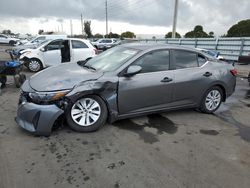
column 146, row 46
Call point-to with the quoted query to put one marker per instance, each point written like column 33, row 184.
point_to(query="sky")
column 139, row 16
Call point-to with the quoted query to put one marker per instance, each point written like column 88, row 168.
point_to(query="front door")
column 52, row 53
column 150, row 89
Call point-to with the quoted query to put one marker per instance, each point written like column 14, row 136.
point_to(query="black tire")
column 3, row 80
column 37, row 68
column 90, row 128
column 203, row 107
column 18, row 81
column 12, row 43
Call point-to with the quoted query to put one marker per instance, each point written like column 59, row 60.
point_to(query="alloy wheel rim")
column 213, row 100
column 34, row 65
column 86, row 112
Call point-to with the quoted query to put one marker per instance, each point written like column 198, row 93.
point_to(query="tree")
column 6, row 32
column 169, row 35
column 40, row 31
column 197, row 33
column 98, row 36
column 112, row 35
column 241, row 29
column 211, row 34
column 87, row 28
column 128, row 34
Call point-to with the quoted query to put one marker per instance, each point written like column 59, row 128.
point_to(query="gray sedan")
column 123, row 82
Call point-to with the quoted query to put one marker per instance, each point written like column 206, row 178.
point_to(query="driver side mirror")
column 132, row 70
column 43, row 49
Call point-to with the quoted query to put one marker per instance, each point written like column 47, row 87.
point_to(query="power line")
column 115, row 12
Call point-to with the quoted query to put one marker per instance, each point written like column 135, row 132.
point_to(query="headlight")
column 40, row 97
column 26, row 53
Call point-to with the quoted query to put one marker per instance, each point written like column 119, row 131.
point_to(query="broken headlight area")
column 46, row 98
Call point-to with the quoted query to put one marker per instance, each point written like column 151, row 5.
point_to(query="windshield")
column 42, row 42
column 111, row 59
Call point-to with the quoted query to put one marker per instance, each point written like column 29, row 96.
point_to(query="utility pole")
column 175, row 18
column 82, row 25
column 62, row 26
column 106, row 10
column 71, row 28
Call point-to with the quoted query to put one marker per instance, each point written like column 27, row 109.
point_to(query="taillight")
column 234, row 72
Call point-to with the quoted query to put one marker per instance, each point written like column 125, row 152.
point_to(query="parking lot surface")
column 175, row 149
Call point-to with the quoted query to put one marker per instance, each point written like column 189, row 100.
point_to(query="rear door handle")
column 207, row 74
column 166, row 79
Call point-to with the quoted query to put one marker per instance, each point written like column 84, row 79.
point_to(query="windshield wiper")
column 83, row 64
column 89, row 67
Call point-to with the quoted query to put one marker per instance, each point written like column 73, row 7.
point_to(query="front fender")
column 107, row 90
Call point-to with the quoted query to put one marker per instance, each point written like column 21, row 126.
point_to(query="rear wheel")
column 3, row 80
column 35, row 65
column 87, row 114
column 23, row 78
column 212, row 100
column 12, row 43
column 18, row 81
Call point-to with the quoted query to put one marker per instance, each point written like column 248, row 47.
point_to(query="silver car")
column 125, row 81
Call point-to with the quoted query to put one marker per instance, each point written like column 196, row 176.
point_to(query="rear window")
column 78, row 44
column 185, row 59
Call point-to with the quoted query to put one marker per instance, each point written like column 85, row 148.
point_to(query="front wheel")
column 212, row 100
column 35, row 65
column 87, row 114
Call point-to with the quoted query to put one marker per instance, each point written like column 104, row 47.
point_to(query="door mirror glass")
column 133, row 70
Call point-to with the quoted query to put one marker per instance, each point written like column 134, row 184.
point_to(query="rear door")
column 80, row 51
column 52, row 53
column 190, row 77
column 151, row 88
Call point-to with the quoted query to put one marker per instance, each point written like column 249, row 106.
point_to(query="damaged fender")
column 106, row 89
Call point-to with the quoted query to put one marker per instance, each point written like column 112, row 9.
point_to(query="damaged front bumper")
column 37, row 119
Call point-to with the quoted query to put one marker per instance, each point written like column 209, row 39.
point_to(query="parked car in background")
column 125, row 81
column 35, row 42
column 17, row 50
column 104, row 44
column 57, row 51
column 40, row 38
column 212, row 53
column 4, row 39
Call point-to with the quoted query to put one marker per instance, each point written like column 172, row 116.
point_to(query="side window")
column 201, row 60
column 154, row 61
column 185, row 59
column 78, row 44
column 54, row 45
column 2, row 36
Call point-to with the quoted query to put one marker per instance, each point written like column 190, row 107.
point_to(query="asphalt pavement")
column 183, row 148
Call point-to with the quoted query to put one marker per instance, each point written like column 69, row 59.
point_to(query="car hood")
column 62, row 77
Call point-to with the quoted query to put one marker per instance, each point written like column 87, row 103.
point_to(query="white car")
column 4, row 39
column 41, row 38
column 104, row 43
column 57, row 51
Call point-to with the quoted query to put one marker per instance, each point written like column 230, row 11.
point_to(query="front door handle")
column 166, row 79
column 207, row 74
